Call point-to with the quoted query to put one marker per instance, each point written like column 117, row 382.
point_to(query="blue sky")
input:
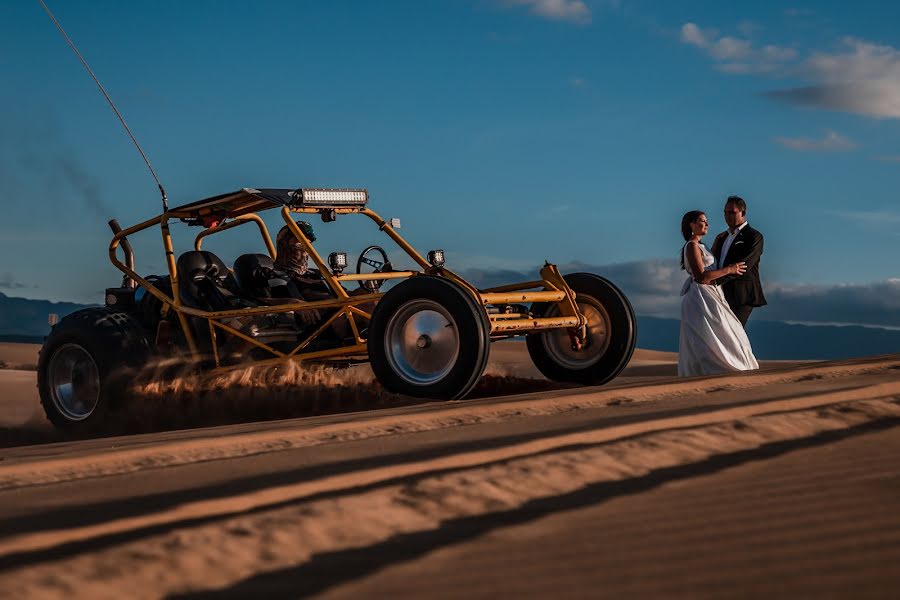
column 505, row 131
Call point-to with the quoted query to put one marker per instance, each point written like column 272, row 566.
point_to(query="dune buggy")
column 428, row 336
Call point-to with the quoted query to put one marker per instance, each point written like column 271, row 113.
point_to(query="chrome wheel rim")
column 422, row 342
column 559, row 345
column 74, row 382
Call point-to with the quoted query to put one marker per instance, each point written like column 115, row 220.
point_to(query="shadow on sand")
column 325, row 571
column 163, row 400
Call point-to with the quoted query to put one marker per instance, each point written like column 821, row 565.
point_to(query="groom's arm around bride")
column 740, row 243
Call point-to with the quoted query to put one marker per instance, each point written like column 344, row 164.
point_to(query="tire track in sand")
column 214, row 555
column 104, row 462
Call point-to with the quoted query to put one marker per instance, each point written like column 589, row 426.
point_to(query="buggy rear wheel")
column 74, row 382
column 80, row 368
column 428, row 338
column 611, row 335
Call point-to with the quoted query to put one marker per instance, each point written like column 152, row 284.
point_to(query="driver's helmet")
column 290, row 255
column 304, row 226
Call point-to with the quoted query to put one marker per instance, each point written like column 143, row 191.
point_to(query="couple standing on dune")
column 721, row 291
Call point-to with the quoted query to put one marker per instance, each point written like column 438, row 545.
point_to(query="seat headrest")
column 196, row 264
column 247, row 265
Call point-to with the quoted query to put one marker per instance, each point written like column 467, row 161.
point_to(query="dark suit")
column 743, row 292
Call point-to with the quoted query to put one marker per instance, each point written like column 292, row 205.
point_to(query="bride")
column 712, row 339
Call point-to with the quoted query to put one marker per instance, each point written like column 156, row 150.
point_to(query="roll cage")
column 231, row 210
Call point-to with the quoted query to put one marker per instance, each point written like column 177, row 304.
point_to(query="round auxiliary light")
column 436, row 258
column 337, row 261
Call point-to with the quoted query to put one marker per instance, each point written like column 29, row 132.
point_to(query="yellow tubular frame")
column 552, row 288
column 239, row 220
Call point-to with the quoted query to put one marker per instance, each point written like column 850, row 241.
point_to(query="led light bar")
column 330, row 197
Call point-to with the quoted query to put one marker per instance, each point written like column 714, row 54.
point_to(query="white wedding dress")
column 712, row 340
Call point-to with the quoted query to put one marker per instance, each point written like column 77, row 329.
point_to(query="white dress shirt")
column 726, row 246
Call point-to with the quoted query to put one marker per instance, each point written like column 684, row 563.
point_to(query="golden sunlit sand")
column 253, row 508
column 509, row 366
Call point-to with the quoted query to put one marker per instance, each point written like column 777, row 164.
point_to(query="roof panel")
column 235, row 202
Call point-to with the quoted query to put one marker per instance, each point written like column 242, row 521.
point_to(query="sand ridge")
column 278, row 495
column 217, row 537
column 241, row 396
column 214, row 445
column 190, row 557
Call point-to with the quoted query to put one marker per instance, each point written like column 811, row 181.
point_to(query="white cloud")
column 9, row 283
column 895, row 158
column 572, row 11
column 861, row 60
column 862, row 78
column 876, row 303
column 778, row 53
column 880, row 100
column 832, row 142
column 737, row 55
column 729, row 48
column 799, row 12
column 869, row 217
column 859, row 77
column 693, row 35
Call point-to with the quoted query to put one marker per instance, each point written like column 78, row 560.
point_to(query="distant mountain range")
column 24, row 320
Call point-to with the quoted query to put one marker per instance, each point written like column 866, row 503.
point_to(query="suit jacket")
column 747, row 247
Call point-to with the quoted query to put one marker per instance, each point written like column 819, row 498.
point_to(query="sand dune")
column 501, row 455
column 19, row 356
column 509, row 371
column 235, row 398
column 250, row 508
column 809, row 523
column 19, row 402
column 232, row 442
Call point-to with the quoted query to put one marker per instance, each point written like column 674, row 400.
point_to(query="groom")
column 740, row 243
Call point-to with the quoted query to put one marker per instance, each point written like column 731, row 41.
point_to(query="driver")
column 293, row 260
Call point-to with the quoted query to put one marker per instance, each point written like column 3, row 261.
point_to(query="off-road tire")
column 604, row 301
column 115, row 342
column 443, row 365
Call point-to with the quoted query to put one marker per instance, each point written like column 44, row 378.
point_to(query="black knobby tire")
column 83, row 366
column 429, row 338
column 612, row 334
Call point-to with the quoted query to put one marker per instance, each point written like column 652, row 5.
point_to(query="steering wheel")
column 381, row 266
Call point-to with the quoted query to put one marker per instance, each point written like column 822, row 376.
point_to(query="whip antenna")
column 162, row 190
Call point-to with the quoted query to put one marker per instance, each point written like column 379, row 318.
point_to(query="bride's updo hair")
column 687, row 220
